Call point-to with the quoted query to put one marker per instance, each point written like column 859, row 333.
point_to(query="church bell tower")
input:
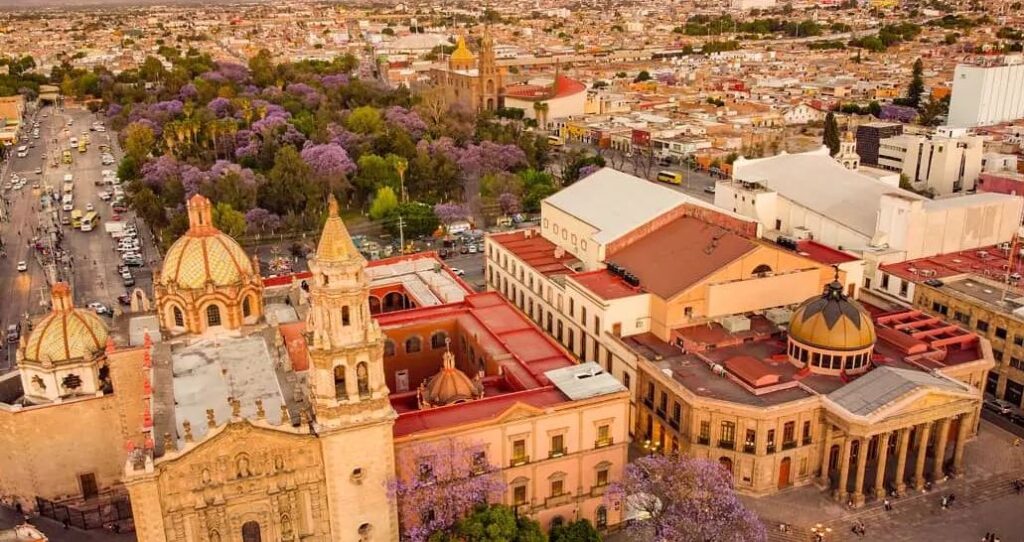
column 349, row 396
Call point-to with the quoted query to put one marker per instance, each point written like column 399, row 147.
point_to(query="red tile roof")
column 296, row 344
column 655, row 259
column 563, row 86
column 992, row 262
column 605, row 285
column 536, row 251
column 823, row 254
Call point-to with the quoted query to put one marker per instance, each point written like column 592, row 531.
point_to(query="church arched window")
column 251, row 532
column 246, row 307
column 389, row 348
column 438, row 340
column 213, row 315
column 339, row 383
column 345, row 318
column 179, row 318
column 363, row 375
column 413, row 345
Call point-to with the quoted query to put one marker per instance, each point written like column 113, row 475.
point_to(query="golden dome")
column 832, row 321
column 204, row 254
column 462, row 52
column 335, row 243
column 67, row 333
column 449, row 386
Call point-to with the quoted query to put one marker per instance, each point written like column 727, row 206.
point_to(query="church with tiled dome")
column 207, row 280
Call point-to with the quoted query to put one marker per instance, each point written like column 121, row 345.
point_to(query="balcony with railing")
column 704, row 440
column 674, row 423
column 558, row 500
column 603, row 442
column 727, row 444
column 749, row 448
column 519, row 460
column 558, row 452
column 789, row 445
column 770, row 449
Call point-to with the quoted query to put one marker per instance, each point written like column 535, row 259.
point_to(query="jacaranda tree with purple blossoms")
column 685, row 499
column 449, row 213
column 440, row 483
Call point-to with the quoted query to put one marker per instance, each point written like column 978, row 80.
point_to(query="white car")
column 105, row 196
column 458, row 272
column 89, row 207
column 22, row 266
column 39, row 171
column 68, row 207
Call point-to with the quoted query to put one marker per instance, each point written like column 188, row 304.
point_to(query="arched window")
column 179, row 317
column 251, row 532
column 762, row 270
column 438, row 340
column 213, row 316
column 413, row 345
column 345, row 320
column 557, row 521
column 363, row 375
column 389, row 348
column 246, row 307
column 339, row 382
column 374, row 304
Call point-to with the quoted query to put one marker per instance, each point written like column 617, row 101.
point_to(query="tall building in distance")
column 987, row 92
column 947, row 162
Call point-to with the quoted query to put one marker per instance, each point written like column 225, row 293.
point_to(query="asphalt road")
column 91, row 265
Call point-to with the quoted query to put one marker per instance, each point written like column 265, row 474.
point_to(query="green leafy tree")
column 384, row 203
column 497, row 523
column 365, row 120
column 537, row 185
column 916, row 88
column 644, row 75
column 418, row 219
column 831, row 136
column 288, row 188
column 578, row 531
column 228, row 220
column 138, row 141
column 148, row 207
column 372, row 173
column 261, row 66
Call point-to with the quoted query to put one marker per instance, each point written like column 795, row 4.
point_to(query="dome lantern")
column 449, row 386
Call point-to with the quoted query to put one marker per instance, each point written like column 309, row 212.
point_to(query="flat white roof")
column 425, row 279
column 817, row 182
column 616, row 203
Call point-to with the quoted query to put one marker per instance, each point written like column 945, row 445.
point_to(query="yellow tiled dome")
column 462, row 52
column 204, row 254
column 832, row 321
column 67, row 333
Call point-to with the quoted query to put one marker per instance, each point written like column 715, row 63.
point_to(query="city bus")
column 66, row 157
column 90, row 221
column 670, row 177
column 76, row 218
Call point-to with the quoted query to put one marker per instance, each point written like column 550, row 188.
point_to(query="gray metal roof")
column 583, row 381
column 885, row 385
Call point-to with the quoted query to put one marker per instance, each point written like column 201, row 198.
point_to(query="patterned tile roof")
column 335, row 242
column 204, row 254
column 66, row 333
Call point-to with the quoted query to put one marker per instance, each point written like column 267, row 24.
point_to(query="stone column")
column 924, row 431
column 961, row 439
column 901, row 459
column 938, row 473
column 844, row 470
column 883, row 456
column 825, row 452
column 862, row 463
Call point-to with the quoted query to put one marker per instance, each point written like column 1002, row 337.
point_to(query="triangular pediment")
column 519, row 411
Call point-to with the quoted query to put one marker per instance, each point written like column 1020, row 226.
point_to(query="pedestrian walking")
column 887, row 504
column 945, row 502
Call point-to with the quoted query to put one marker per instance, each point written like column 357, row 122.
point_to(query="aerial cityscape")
column 548, row 271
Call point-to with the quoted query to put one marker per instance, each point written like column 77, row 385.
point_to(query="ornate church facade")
column 476, row 82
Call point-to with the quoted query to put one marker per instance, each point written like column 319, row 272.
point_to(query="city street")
column 91, row 259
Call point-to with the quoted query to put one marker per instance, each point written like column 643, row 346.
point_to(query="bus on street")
column 90, row 221
column 81, row 146
column 670, row 177
column 76, row 218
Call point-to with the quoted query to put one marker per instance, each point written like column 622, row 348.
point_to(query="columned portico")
column 938, row 469
column 862, row 463
column 826, row 452
column 844, row 470
column 901, row 459
column 924, row 432
column 883, row 456
column 963, row 431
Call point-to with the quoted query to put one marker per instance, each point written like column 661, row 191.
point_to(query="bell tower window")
column 363, row 376
column 340, row 392
column 246, row 307
column 345, row 319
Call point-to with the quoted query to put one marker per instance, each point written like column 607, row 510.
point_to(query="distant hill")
column 23, row 5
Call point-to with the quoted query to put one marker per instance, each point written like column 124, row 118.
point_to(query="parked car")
column 458, row 272
column 99, row 308
column 13, row 333
column 998, row 405
column 124, row 299
column 128, row 282
column 22, row 266
column 710, row 189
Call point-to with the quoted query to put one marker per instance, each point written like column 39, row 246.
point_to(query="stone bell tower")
column 348, row 393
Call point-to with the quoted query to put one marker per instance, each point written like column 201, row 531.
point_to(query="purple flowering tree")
column 440, row 483
column 449, row 213
column 687, row 499
column 157, row 173
column 259, row 220
column 188, row 92
column 509, row 203
column 588, row 169
column 406, row 120
column 330, row 163
column 220, row 107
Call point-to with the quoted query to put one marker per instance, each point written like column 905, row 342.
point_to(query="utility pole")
column 401, row 235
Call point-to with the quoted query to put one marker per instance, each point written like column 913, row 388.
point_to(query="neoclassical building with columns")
column 860, row 403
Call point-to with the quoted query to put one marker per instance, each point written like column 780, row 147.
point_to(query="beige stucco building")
column 477, row 83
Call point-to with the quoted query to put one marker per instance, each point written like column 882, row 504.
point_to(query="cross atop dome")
column 60, row 297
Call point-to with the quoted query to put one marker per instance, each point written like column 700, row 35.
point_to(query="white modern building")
column 987, row 92
column 946, row 162
column 812, row 196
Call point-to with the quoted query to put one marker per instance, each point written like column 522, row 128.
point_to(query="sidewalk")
column 992, row 462
column 56, row 532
